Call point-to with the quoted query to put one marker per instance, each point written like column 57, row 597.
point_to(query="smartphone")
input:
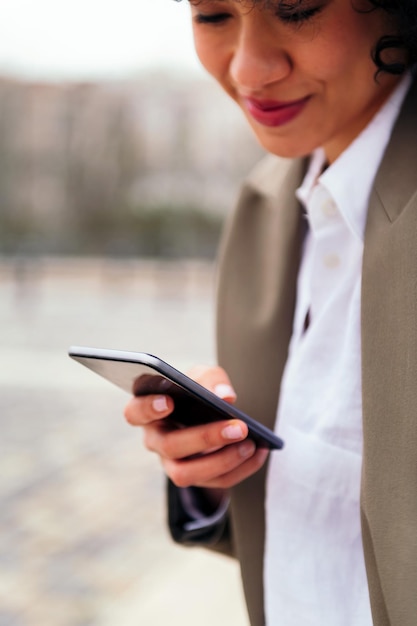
column 141, row 374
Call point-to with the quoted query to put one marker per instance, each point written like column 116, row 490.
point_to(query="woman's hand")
column 214, row 456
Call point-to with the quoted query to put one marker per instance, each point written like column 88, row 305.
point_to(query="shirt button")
column 331, row 261
column 329, row 208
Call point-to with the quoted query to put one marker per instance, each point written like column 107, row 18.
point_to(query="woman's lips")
column 273, row 112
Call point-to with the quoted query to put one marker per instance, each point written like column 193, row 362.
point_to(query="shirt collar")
column 349, row 179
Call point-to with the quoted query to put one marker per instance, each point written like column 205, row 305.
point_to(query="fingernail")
column 233, row 431
column 224, row 391
column 160, row 404
column 247, row 449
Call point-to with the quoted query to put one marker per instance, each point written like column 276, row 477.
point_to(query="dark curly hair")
column 392, row 53
column 404, row 16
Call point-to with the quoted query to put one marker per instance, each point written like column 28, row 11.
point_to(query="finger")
column 240, row 473
column 143, row 410
column 212, row 470
column 176, row 444
column 215, row 379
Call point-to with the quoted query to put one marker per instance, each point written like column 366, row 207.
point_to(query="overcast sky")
column 88, row 39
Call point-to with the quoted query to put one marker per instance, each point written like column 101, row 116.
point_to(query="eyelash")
column 215, row 18
column 298, row 17
column 288, row 17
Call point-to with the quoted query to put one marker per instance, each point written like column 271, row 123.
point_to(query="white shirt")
column 314, row 571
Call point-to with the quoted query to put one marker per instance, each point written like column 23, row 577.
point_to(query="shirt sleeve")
column 200, row 516
column 192, row 520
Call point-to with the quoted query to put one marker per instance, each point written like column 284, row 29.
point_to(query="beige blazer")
column 256, row 295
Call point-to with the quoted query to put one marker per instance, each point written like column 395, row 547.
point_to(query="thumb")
column 216, row 380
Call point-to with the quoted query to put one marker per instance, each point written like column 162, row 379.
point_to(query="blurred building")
column 79, row 158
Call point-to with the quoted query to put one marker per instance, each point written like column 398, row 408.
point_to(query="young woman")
column 317, row 310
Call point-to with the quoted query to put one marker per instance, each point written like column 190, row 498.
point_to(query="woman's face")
column 301, row 72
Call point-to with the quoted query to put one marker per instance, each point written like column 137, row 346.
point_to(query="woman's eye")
column 290, row 15
column 214, row 18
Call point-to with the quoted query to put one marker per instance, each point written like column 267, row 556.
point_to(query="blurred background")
column 119, row 161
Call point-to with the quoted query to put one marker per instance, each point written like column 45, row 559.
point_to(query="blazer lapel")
column 396, row 181
column 256, row 301
column 389, row 378
column 257, row 287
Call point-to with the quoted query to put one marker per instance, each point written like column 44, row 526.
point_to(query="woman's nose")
column 258, row 61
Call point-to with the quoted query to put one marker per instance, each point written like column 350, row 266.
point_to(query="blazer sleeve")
column 211, row 531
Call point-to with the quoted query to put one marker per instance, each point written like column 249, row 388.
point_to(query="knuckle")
column 179, row 476
column 229, row 462
column 135, row 413
column 167, row 447
column 237, row 455
column 129, row 415
column 150, row 438
column 207, row 438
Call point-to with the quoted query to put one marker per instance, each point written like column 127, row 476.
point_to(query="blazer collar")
column 396, row 180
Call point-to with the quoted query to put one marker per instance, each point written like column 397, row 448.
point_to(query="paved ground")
column 83, row 540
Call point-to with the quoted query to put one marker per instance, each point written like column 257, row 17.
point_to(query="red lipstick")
column 274, row 112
